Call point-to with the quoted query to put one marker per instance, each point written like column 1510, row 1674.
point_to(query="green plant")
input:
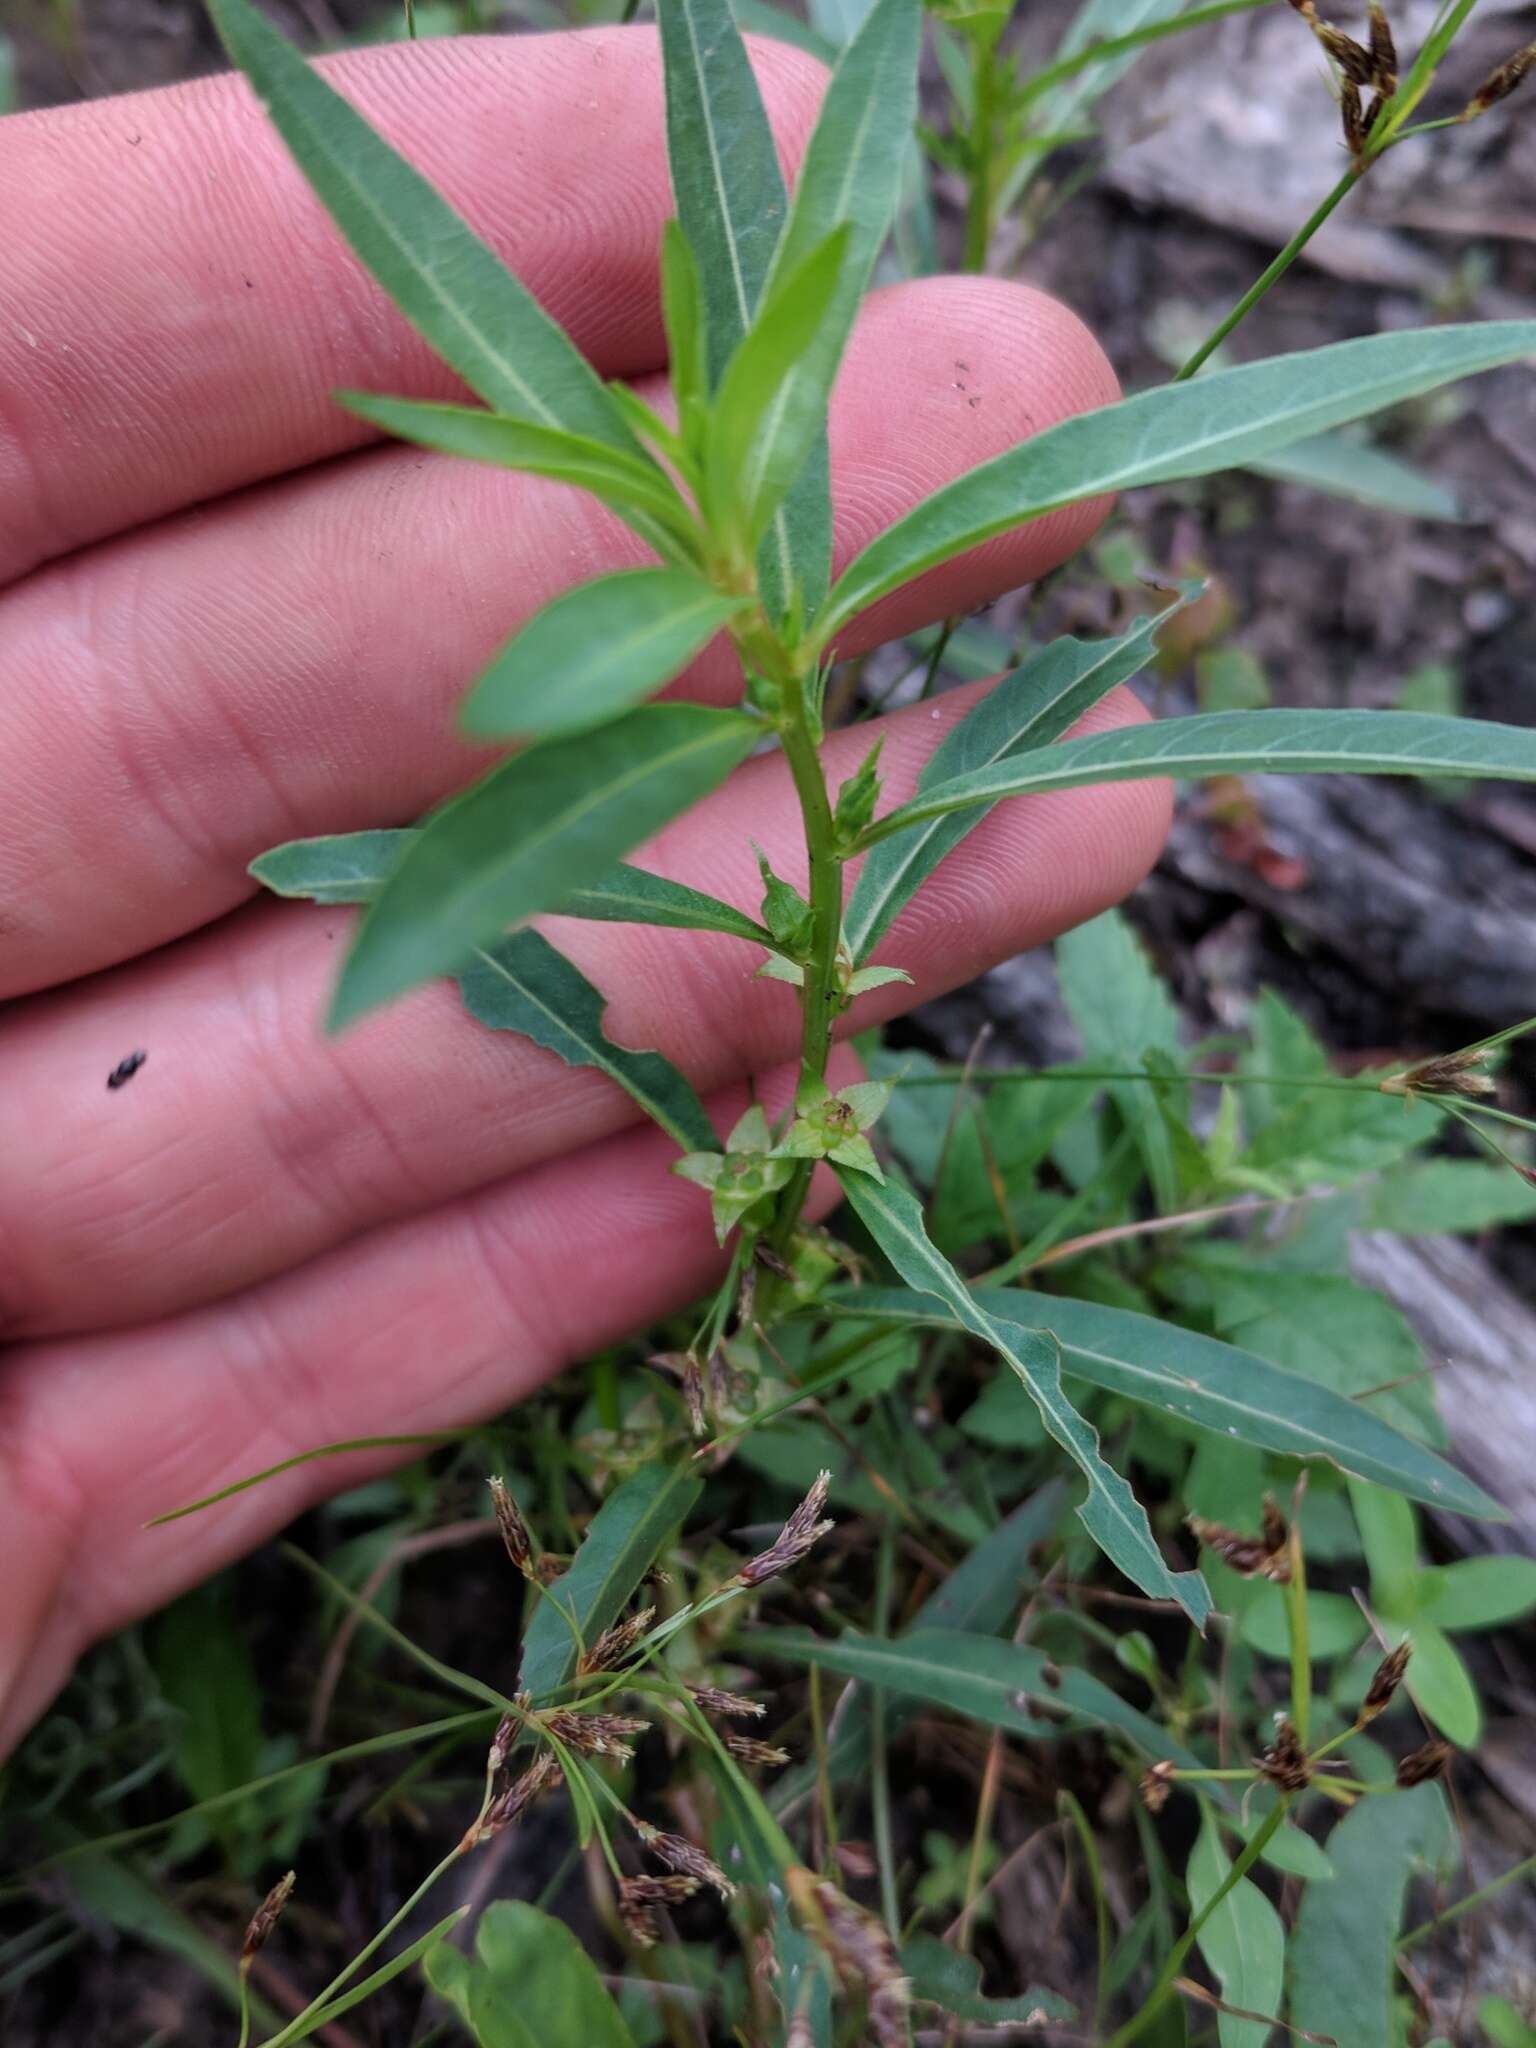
column 1169, row 1338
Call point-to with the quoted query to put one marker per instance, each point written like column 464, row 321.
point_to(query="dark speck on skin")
column 125, row 1070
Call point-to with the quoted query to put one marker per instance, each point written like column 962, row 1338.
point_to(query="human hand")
column 230, row 619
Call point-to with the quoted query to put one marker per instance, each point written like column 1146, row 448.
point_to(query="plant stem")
column 1162, row 1990
column 1298, row 1620
column 1469, row 1904
column 880, row 1785
column 1121, row 46
column 978, row 203
column 1273, row 273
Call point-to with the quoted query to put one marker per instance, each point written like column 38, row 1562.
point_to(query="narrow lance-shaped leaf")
column 773, row 397
column 1001, row 1684
column 1242, row 743
column 619, row 1548
column 682, row 311
column 595, row 651
column 1179, row 430
column 436, row 269
column 635, row 486
column 1036, row 703
column 732, row 205
column 1111, row 1514
column 1233, row 1393
column 524, row 984
column 352, row 867
column 549, row 821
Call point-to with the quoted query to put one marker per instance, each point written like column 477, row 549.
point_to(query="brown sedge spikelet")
column 640, row 1896
column 804, row 1528
column 1383, row 52
column 862, row 1953
column 1421, row 1766
column 1265, row 1556
column 728, row 1705
column 748, row 1750
column 595, row 1734
column 1156, row 1784
column 514, row 1530
column 263, row 1920
column 512, row 1804
column 685, row 1860
column 1453, row 1073
column 1385, row 1680
column 1285, row 1763
column 615, row 1644
column 1501, row 82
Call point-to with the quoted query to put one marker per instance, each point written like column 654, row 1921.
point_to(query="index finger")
column 179, row 308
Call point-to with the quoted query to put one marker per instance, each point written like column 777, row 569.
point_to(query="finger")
column 182, row 310
column 288, row 661
column 250, row 1142
column 427, row 1325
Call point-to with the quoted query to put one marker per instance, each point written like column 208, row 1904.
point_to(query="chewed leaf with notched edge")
column 436, row 269
column 1111, row 1514
column 1031, row 706
column 595, row 651
column 1241, row 743
column 1233, row 1393
column 551, row 820
column 1215, row 422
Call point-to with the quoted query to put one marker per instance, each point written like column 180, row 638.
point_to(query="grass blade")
column 1035, row 704
column 1111, row 1514
column 1243, row 743
column 549, row 821
column 436, row 269
column 1179, row 430
column 595, row 651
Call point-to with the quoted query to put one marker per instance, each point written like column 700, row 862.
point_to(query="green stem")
column 1162, row 1990
column 880, row 1787
column 245, row 2011
column 1273, row 273
column 1469, row 1904
column 978, row 203
column 1301, row 1645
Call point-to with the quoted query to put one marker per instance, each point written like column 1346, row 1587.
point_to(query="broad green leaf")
column 528, row 1984
column 1111, row 1514
column 619, row 1548
column 436, row 269
column 1039, row 701
column 595, row 651
column 629, row 481
column 986, row 1678
column 1207, row 1384
column 1341, row 1953
column 1243, row 1941
column 1323, row 1326
column 1242, row 743
column 772, row 400
column 1389, row 1532
column 551, row 820
column 1439, row 1683
column 1476, row 1592
column 943, row 1977
column 1179, row 430
column 1335, row 1625
column 203, row 1662
column 980, row 1596
column 524, row 984
column 1123, row 1013
column 352, row 867
column 1432, row 1195
column 375, row 1980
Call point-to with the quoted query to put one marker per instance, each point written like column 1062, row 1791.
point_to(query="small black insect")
column 125, row 1070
